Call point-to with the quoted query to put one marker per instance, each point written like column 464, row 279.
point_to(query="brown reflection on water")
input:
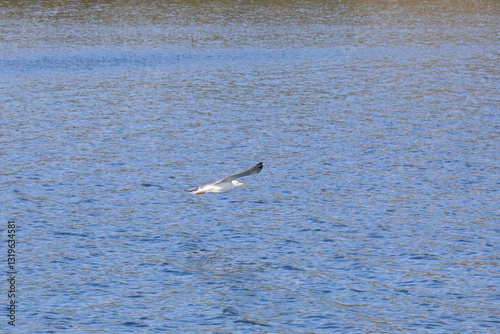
column 219, row 24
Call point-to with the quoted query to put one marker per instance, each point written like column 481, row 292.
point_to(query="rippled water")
column 376, row 210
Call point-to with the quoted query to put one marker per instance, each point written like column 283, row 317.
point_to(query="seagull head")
column 237, row 184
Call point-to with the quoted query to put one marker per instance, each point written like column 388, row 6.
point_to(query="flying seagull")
column 227, row 184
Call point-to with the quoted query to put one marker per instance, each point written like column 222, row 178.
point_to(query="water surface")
column 377, row 208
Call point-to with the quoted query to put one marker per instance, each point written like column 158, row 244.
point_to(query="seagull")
column 227, row 184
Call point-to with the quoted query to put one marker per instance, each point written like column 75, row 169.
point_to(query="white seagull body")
column 227, row 184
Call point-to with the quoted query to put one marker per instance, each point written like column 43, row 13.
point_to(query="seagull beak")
column 242, row 184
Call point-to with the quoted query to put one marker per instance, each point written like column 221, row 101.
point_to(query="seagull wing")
column 250, row 171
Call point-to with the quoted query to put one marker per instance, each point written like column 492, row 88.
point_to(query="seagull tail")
column 191, row 190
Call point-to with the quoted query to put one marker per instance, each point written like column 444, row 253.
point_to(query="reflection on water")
column 226, row 24
column 377, row 125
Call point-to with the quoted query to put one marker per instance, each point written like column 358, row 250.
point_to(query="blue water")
column 377, row 208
